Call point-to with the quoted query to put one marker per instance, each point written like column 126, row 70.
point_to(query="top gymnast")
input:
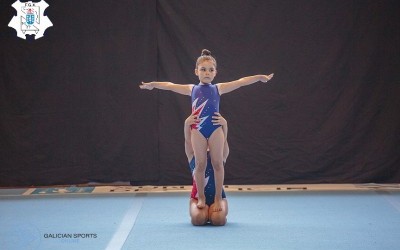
column 206, row 136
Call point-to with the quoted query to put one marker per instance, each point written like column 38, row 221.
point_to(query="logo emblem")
column 30, row 19
column 198, row 111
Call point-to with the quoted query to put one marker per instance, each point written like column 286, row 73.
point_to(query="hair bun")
column 205, row 52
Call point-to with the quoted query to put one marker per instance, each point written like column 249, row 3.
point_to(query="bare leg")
column 199, row 144
column 199, row 217
column 216, row 145
column 219, row 218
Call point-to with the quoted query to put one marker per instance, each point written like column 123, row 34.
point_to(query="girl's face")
column 206, row 71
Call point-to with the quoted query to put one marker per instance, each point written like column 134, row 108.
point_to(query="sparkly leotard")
column 205, row 102
column 209, row 187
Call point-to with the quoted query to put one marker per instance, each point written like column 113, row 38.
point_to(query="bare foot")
column 201, row 202
column 217, row 205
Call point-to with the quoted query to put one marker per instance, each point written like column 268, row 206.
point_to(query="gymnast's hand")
column 192, row 119
column 146, row 85
column 267, row 78
column 218, row 119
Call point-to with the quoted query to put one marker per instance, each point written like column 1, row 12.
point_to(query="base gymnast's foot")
column 201, row 202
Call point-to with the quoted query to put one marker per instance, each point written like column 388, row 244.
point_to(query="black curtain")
column 72, row 112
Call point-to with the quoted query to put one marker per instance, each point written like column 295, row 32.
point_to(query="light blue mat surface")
column 47, row 222
column 359, row 220
column 280, row 220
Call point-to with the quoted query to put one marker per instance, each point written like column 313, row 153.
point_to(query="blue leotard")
column 205, row 102
column 209, row 187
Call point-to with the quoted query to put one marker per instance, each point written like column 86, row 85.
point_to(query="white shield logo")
column 30, row 19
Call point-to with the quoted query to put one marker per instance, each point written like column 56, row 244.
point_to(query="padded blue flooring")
column 278, row 220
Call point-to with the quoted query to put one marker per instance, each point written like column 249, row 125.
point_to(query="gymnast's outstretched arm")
column 226, row 87
column 184, row 89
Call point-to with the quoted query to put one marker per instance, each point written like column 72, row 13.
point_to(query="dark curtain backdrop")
column 72, row 112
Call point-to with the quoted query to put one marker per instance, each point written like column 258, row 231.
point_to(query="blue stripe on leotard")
column 205, row 102
column 209, row 187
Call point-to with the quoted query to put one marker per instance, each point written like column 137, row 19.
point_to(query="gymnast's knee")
column 201, row 165
column 199, row 219
column 217, row 164
column 218, row 219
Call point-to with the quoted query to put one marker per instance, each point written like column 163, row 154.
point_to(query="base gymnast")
column 201, row 216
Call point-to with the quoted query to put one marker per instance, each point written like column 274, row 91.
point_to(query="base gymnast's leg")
column 199, row 217
column 218, row 218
